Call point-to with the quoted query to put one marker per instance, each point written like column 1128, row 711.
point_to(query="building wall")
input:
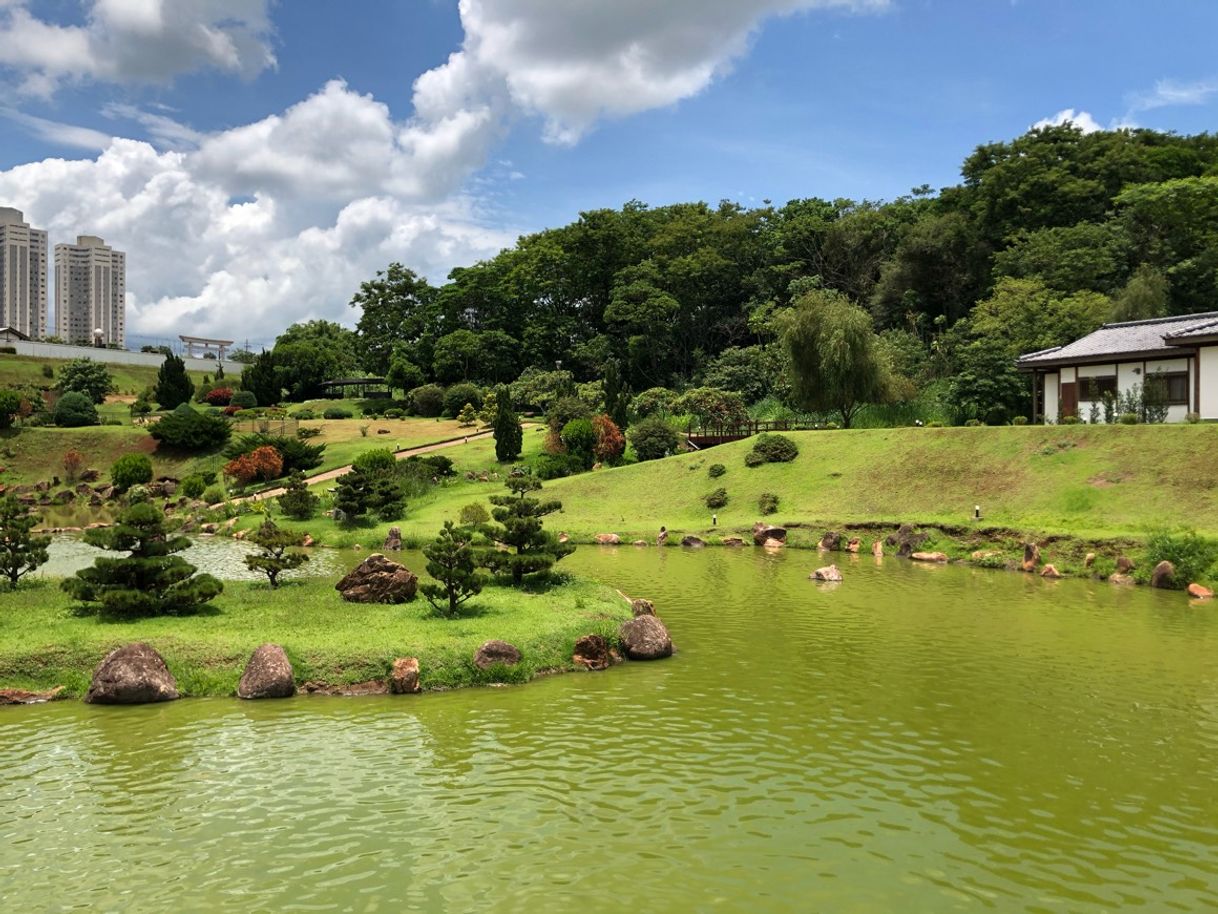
column 90, row 291
column 23, row 267
column 1208, row 365
column 1051, row 382
column 116, row 356
column 1129, row 375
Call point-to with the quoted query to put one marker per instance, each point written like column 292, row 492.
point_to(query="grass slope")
column 43, row 644
column 129, row 380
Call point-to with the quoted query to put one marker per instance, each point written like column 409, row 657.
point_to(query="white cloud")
column 58, row 133
column 1170, row 93
column 1080, row 119
column 136, row 41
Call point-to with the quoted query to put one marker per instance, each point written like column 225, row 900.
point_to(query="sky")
column 257, row 160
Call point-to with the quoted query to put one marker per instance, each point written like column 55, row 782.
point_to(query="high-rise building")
column 23, row 274
column 90, row 292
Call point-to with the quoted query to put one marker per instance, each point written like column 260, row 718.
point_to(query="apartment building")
column 23, row 275
column 90, row 292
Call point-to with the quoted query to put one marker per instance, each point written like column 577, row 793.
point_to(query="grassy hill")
column 129, row 380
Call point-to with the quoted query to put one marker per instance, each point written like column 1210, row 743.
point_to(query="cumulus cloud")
column 1080, row 119
column 136, row 41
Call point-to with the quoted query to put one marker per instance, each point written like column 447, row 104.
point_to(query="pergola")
column 357, row 387
column 219, row 347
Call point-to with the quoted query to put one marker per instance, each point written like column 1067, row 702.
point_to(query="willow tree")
column 837, row 364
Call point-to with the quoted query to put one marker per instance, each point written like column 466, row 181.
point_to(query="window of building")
column 1177, row 386
column 1097, row 388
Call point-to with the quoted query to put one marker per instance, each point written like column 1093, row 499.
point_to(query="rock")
column 830, row 573
column 877, row 549
column 1119, row 578
column 641, row 607
column 1049, row 571
column 981, row 554
column 928, row 556
column 645, row 638
column 357, row 548
column 83, row 488
column 494, row 653
column 1198, row 592
column 404, row 680
column 693, row 542
column 230, row 523
column 131, row 675
column 732, row 541
column 90, row 475
column 268, row 674
column 308, row 540
column 662, row 538
column 640, row 542
column 108, row 493
column 239, row 535
column 1089, row 560
column 773, row 544
column 1031, row 557
column 382, row 431
column 854, row 545
column 1124, row 565
column 906, row 540
column 23, row 697
column 393, row 540
column 95, row 501
column 369, row 687
column 378, row 580
column 563, row 538
column 42, row 486
column 209, row 528
column 763, row 531
column 608, row 539
column 830, row 542
column 593, row 652
column 1164, row 575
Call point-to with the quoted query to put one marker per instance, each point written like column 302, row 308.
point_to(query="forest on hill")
column 1044, row 238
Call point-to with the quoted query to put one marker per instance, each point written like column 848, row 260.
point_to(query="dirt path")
column 342, row 471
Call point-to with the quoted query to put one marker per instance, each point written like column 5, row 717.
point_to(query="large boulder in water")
column 379, row 580
column 1163, row 575
column 763, row 532
column 268, row 674
column 645, row 638
column 830, row 542
column 133, row 674
column 693, row 542
column 496, row 652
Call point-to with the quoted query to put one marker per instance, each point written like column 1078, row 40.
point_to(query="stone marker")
column 131, row 675
column 267, row 675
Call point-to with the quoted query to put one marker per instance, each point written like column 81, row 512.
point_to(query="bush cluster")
column 770, row 448
column 716, row 499
column 130, row 470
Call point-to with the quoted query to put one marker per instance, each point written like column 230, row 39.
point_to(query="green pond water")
column 915, row 740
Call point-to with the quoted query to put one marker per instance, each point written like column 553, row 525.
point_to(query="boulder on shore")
column 267, row 675
column 829, row 574
column 877, row 549
column 733, row 541
column 131, row 675
column 763, row 533
column 608, row 539
column 929, row 557
column 24, row 697
column 404, row 680
column 393, row 540
column 830, row 542
column 1199, row 592
column 593, row 652
column 641, row 607
column 494, row 653
column 645, row 638
column 693, row 542
column 1031, row 556
column 1164, row 575
column 1124, row 565
column 906, row 540
column 1050, row 571
column 854, row 545
column 379, row 580
column 1118, row 578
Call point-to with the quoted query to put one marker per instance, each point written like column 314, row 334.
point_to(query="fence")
column 114, row 356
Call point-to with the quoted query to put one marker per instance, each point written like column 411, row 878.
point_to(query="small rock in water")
column 1049, row 571
column 830, row 573
column 1199, row 592
column 929, row 556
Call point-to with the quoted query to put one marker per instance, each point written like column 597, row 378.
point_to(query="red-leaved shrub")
column 219, row 396
column 610, row 442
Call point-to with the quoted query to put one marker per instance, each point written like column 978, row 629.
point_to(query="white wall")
column 1130, row 374
column 1051, row 398
column 1208, row 364
column 115, row 356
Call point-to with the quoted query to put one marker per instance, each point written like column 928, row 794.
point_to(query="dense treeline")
column 1045, row 237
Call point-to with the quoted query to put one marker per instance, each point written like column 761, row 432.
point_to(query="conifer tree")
column 509, row 436
column 490, row 408
column 275, row 557
column 297, row 501
column 468, row 416
column 173, row 386
column 533, row 550
column 353, row 495
column 151, row 580
column 21, row 551
column 451, row 561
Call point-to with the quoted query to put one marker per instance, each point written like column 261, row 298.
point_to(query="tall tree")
column 262, row 379
column 509, row 436
column 398, row 306
column 85, row 376
column 173, row 385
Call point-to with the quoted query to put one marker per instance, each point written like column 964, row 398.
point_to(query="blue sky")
column 271, row 155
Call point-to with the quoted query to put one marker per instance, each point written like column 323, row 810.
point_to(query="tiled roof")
column 1149, row 337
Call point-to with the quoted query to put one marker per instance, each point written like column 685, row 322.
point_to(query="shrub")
column 219, row 396
column 712, row 406
column 193, row 486
column 263, row 463
column 458, row 395
column 773, row 449
column 767, row 503
column 1192, row 418
column 1069, row 420
column 244, row 399
column 304, row 415
column 579, row 440
column 376, row 460
column 305, row 432
column 474, row 515
column 1128, row 419
column 753, row 459
column 21, row 550
column 10, row 407
column 610, row 442
column 188, row 430
column 653, row 438
column 655, row 400
column 84, row 376
column 439, row 465
column 337, row 412
column 394, row 413
column 137, row 495
column 1020, row 420
column 73, row 463
column 555, row 466
column 131, row 470
column 427, row 401
column 716, row 499
column 214, row 495
column 48, row 371
column 1192, row 555
column 977, row 423
column 297, row 501
column 275, row 557
column 564, row 410
column 296, row 454
column 75, row 410
column 716, row 470
column 451, row 562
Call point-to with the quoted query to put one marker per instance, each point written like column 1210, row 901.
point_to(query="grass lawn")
column 44, row 644
column 128, row 379
column 345, row 441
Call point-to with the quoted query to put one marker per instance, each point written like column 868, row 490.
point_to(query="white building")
column 90, row 292
column 23, row 275
column 1181, row 352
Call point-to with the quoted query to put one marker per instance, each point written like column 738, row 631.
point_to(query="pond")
column 917, row 739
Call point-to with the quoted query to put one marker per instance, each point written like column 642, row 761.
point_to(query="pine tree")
column 275, row 558
column 617, row 396
column 534, row 550
column 509, row 436
column 297, row 501
column 353, row 495
column 173, row 385
column 468, row 416
column 490, row 408
column 20, row 550
column 451, row 561
column 151, row 580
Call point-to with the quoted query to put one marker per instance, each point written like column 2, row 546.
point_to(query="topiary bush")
column 474, row 514
column 716, row 499
column 75, row 410
column 1020, row 420
column 193, row 486
column 188, row 430
column 130, row 470
column 654, row 438
column 458, row 395
column 1128, row 419
column 376, row 460
column 427, row 401
column 769, row 448
column 243, row 399
column 579, row 440
column 304, row 415
column 767, row 503
column 716, row 470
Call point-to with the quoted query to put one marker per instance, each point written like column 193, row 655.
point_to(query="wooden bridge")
column 704, row 436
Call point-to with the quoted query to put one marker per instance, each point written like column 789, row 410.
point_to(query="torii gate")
column 209, row 345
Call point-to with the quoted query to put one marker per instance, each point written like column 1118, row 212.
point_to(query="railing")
column 734, row 431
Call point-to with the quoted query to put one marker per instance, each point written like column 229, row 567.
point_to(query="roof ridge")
column 1204, row 315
